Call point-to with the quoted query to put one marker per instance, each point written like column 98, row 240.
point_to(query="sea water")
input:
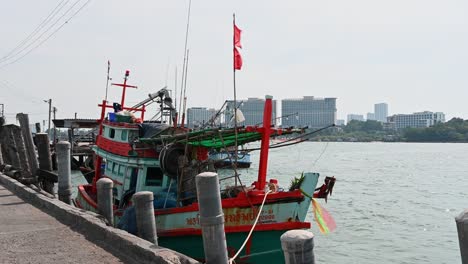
column 392, row 202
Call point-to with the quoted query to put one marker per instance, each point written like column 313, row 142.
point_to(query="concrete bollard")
column 64, row 171
column 462, row 228
column 145, row 219
column 298, row 247
column 45, row 159
column 104, row 199
column 211, row 218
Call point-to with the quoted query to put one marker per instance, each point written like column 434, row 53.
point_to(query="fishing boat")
column 164, row 157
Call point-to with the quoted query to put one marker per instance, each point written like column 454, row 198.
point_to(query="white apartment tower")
column 381, row 112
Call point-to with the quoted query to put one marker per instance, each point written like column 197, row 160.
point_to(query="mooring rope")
column 251, row 230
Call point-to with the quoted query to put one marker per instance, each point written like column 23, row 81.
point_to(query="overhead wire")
column 49, row 17
column 53, row 33
column 43, row 33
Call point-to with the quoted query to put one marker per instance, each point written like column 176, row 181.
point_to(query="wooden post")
column 462, row 228
column 104, row 199
column 64, row 171
column 298, row 247
column 1, row 155
column 45, row 159
column 20, row 148
column 11, row 154
column 145, row 219
column 211, row 218
column 28, row 142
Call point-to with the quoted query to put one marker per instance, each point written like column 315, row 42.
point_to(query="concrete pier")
column 28, row 235
column 40, row 229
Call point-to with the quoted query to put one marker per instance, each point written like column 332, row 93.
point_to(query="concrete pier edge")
column 118, row 242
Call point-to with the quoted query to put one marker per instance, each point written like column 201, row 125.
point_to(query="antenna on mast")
column 184, row 66
column 108, row 77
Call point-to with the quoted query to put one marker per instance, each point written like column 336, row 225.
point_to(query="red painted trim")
column 123, row 148
column 237, row 229
column 120, row 124
column 266, row 131
column 86, row 197
column 241, row 201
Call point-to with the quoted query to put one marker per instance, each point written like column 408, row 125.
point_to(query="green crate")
column 123, row 118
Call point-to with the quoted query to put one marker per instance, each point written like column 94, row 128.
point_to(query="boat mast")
column 234, row 165
column 265, row 145
column 124, row 86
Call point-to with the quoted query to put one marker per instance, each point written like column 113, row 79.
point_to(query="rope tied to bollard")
column 231, row 260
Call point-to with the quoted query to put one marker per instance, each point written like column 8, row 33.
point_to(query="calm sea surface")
column 392, row 202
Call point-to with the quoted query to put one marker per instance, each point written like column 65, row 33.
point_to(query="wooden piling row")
column 17, row 150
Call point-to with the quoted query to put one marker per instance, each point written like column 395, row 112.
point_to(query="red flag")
column 237, row 60
column 237, row 37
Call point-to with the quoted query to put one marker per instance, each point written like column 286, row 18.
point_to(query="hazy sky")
column 411, row 54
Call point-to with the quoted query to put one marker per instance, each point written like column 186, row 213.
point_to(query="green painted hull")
column 265, row 246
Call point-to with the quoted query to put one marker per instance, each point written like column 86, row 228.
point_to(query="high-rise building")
column 381, row 112
column 370, row 116
column 420, row 119
column 252, row 109
column 199, row 116
column 355, row 117
column 308, row 111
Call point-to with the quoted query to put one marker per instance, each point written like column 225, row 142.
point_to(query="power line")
column 51, row 15
column 53, row 33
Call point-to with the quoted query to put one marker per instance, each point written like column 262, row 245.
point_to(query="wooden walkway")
column 28, row 235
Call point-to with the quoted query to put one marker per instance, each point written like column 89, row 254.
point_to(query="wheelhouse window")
column 109, row 167
column 111, row 133
column 115, row 167
column 121, row 170
column 123, row 135
column 154, row 176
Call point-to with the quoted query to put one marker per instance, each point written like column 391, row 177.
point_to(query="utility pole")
column 50, row 112
column 55, row 130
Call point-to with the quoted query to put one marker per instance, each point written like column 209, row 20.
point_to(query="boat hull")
column 263, row 246
column 179, row 228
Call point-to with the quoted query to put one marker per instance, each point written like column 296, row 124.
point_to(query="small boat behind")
column 226, row 159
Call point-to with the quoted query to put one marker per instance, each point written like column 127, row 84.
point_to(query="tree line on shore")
column 455, row 130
